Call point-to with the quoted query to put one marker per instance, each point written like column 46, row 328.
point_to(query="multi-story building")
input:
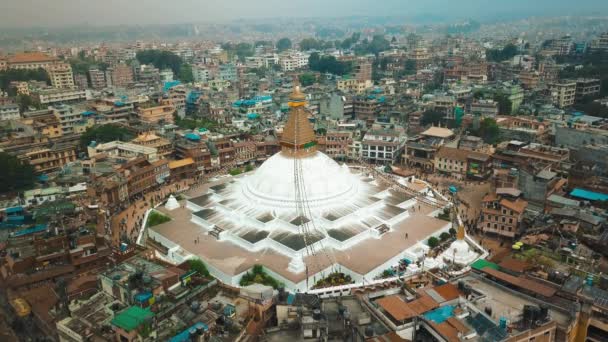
column 463, row 163
column 70, row 120
column 363, row 70
column 50, row 96
column 563, row 93
column 502, row 215
column 98, row 79
column 529, row 79
column 200, row 73
column 163, row 146
column 143, row 175
column 382, row 147
column 61, row 75
column 148, row 74
column 41, row 258
column 166, row 75
column 120, row 76
column 353, row 86
column 587, row 87
column 9, row 112
column 485, row 108
column 30, row 61
column 122, row 151
column 228, row 72
column 336, row 144
column 48, row 159
column 366, row 108
column 44, row 122
column 163, row 113
column 601, row 43
column 293, row 60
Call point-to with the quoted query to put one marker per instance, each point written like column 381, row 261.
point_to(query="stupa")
column 459, row 252
column 299, row 200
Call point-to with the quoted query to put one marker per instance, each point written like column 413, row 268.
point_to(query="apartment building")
column 98, row 79
column 353, row 86
column 587, row 87
column 50, row 96
column 293, row 60
column 120, row 76
column 366, row 108
column 563, row 93
column 601, row 43
column 153, row 115
column 363, row 70
column 502, row 214
column 485, row 108
column 382, row 147
column 463, row 163
column 122, row 151
column 61, row 75
column 143, row 174
column 163, row 146
column 44, row 122
column 70, row 121
column 336, row 144
column 9, row 112
column 39, row 258
column 53, row 158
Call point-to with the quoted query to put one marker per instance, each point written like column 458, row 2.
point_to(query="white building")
column 53, row 95
column 123, row 150
column 293, row 60
column 9, row 112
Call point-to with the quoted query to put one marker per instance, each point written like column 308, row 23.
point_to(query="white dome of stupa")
column 326, row 182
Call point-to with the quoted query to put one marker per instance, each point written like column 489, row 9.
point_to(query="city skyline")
column 65, row 13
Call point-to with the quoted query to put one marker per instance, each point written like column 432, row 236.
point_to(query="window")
column 510, row 220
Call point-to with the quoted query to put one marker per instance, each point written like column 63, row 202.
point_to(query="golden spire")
column 298, row 135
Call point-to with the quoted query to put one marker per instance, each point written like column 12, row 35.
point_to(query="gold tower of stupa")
column 298, row 138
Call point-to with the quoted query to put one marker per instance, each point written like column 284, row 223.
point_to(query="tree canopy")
column 432, row 117
column 185, row 73
column 307, row 79
column 161, row 59
column 489, row 131
column 241, row 50
column 105, row 133
column 10, row 75
column 499, row 55
column 328, row 64
column 378, row 44
column 283, row 44
column 15, row 176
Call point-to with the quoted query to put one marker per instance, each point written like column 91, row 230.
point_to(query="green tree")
column 499, row 55
column 307, row 79
column 161, row 59
column 444, row 236
column 328, row 64
column 10, row 75
column 185, row 73
column 199, row 266
column 311, row 44
column 105, row 133
column 489, row 131
column 433, row 242
column 25, row 101
column 432, row 117
column 283, row 44
column 410, row 67
column 15, row 176
column 505, row 106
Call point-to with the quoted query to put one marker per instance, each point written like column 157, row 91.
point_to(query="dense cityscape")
column 307, row 179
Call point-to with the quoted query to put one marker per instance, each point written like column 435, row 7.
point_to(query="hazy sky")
column 24, row 13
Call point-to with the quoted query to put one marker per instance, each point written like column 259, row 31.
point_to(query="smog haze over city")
column 303, row 170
